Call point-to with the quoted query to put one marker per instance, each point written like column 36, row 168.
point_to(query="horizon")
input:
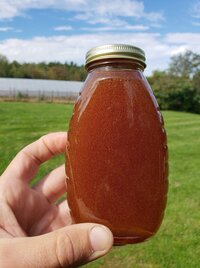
column 34, row 31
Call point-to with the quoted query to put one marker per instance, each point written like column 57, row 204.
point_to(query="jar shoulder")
column 122, row 78
column 116, row 73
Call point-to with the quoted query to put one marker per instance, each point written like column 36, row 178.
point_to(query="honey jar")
column 116, row 157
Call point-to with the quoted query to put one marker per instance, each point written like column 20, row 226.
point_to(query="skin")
column 35, row 231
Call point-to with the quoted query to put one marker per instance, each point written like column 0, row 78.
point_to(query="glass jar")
column 117, row 153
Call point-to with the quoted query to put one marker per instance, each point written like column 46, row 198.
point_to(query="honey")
column 117, row 152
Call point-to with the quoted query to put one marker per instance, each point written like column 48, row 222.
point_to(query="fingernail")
column 100, row 238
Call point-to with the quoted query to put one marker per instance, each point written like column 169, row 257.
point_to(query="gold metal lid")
column 116, row 51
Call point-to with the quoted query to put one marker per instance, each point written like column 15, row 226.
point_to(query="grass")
column 23, row 123
column 177, row 244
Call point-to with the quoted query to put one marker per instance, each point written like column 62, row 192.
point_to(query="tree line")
column 42, row 70
column 177, row 88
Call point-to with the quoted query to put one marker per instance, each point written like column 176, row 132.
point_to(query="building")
column 38, row 88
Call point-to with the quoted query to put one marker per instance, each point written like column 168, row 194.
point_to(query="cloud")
column 63, row 48
column 10, row 9
column 63, row 28
column 126, row 27
column 136, row 27
column 10, row 29
column 189, row 40
column 195, row 11
column 196, row 23
column 101, row 11
column 5, row 29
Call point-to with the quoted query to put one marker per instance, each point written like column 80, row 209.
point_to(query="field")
column 177, row 244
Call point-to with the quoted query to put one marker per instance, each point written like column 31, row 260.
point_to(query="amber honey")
column 117, row 153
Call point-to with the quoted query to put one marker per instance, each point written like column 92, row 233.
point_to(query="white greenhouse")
column 37, row 88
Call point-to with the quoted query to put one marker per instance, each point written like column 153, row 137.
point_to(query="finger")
column 26, row 163
column 52, row 186
column 8, row 221
column 4, row 233
column 68, row 247
column 52, row 221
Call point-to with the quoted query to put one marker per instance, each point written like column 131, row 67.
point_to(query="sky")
column 64, row 30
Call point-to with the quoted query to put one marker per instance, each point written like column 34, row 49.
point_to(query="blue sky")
column 63, row 30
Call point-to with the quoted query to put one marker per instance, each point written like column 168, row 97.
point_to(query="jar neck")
column 117, row 64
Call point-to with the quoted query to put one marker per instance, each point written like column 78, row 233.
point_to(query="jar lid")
column 116, row 51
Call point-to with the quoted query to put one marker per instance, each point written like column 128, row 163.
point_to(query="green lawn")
column 178, row 242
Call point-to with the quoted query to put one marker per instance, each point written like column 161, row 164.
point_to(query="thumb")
column 70, row 246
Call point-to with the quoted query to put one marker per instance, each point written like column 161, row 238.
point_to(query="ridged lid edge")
column 116, row 51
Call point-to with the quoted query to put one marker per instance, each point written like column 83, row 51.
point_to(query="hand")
column 34, row 231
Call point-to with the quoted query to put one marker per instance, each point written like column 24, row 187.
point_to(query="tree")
column 14, row 68
column 178, row 88
column 57, row 72
column 4, row 65
column 196, row 81
column 174, row 92
column 185, row 65
column 42, row 70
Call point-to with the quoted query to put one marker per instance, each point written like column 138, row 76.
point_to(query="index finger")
column 26, row 163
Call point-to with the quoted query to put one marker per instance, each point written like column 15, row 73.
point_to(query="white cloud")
column 116, row 28
column 178, row 50
column 5, row 29
column 73, row 48
column 101, row 11
column 12, row 8
column 189, row 40
column 18, row 31
column 195, row 12
column 115, row 12
column 136, row 27
column 196, row 23
column 7, row 11
column 63, row 28
column 8, row 29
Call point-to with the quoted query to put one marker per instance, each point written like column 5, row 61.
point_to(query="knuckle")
column 44, row 141
column 65, row 250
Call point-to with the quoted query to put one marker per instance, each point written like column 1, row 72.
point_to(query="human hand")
column 34, row 231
